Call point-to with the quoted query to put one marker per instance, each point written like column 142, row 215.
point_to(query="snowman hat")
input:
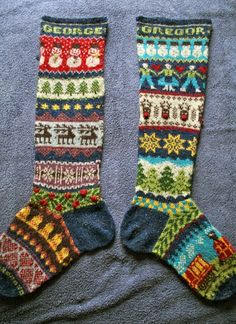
column 151, row 42
column 94, row 45
column 75, row 46
column 139, row 41
column 186, row 43
column 58, row 45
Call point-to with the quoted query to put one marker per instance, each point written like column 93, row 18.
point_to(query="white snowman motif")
column 197, row 50
column 55, row 59
column 162, row 49
column 186, row 50
column 140, row 48
column 42, row 51
column 174, row 49
column 74, row 59
column 150, row 49
column 93, row 58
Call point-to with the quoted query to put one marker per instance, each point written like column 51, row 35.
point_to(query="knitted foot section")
column 164, row 219
column 66, row 215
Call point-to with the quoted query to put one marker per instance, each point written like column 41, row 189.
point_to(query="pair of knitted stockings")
column 66, row 215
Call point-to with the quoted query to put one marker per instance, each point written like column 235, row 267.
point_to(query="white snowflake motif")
column 69, row 176
column 180, row 267
column 48, row 174
column 89, row 174
column 190, row 250
column 200, row 240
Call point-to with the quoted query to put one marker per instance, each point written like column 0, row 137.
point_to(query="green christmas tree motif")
column 181, row 183
column 151, row 182
column 58, row 90
column 140, row 175
column 95, row 88
column 46, row 88
column 70, row 89
column 83, row 88
column 166, row 180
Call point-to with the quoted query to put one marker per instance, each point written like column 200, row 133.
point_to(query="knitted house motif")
column 197, row 271
column 223, row 248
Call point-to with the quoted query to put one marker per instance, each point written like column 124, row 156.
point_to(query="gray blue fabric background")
column 113, row 286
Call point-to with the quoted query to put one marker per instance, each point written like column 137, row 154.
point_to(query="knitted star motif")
column 55, row 107
column 150, row 142
column 66, row 107
column 89, row 106
column 192, row 146
column 77, row 107
column 44, row 106
column 173, row 144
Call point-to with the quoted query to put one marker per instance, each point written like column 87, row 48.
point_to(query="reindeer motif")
column 88, row 135
column 165, row 109
column 184, row 111
column 42, row 134
column 65, row 133
column 146, row 107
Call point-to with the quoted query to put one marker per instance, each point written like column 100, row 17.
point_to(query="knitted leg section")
column 65, row 215
column 164, row 219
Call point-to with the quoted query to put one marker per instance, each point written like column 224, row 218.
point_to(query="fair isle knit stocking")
column 65, row 215
column 164, row 219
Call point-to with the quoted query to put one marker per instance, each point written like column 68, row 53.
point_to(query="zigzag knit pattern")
column 164, row 219
column 65, row 215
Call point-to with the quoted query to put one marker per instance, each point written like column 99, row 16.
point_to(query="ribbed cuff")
column 172, row 22
column 95, row 20
column 173, row 28
column 74, row 28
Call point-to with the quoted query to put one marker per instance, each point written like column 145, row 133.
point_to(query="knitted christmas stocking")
column 65, row 215
column 164, row 219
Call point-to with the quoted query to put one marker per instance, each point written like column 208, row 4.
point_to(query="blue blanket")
column 112, row 285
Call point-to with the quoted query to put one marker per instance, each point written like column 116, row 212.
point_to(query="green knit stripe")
column 173, row 226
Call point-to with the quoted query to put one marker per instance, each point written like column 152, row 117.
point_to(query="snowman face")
column 174, row 50
column 162, row 50
column 150, row 47
column 93, row 51
column 186, row 47
column 197, row 50
column 186, row 51
column 56, row 50
column 75, row 51
column 140, row 49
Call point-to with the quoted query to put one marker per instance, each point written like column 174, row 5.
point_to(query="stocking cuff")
column 174, row 28
column 68, row 27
